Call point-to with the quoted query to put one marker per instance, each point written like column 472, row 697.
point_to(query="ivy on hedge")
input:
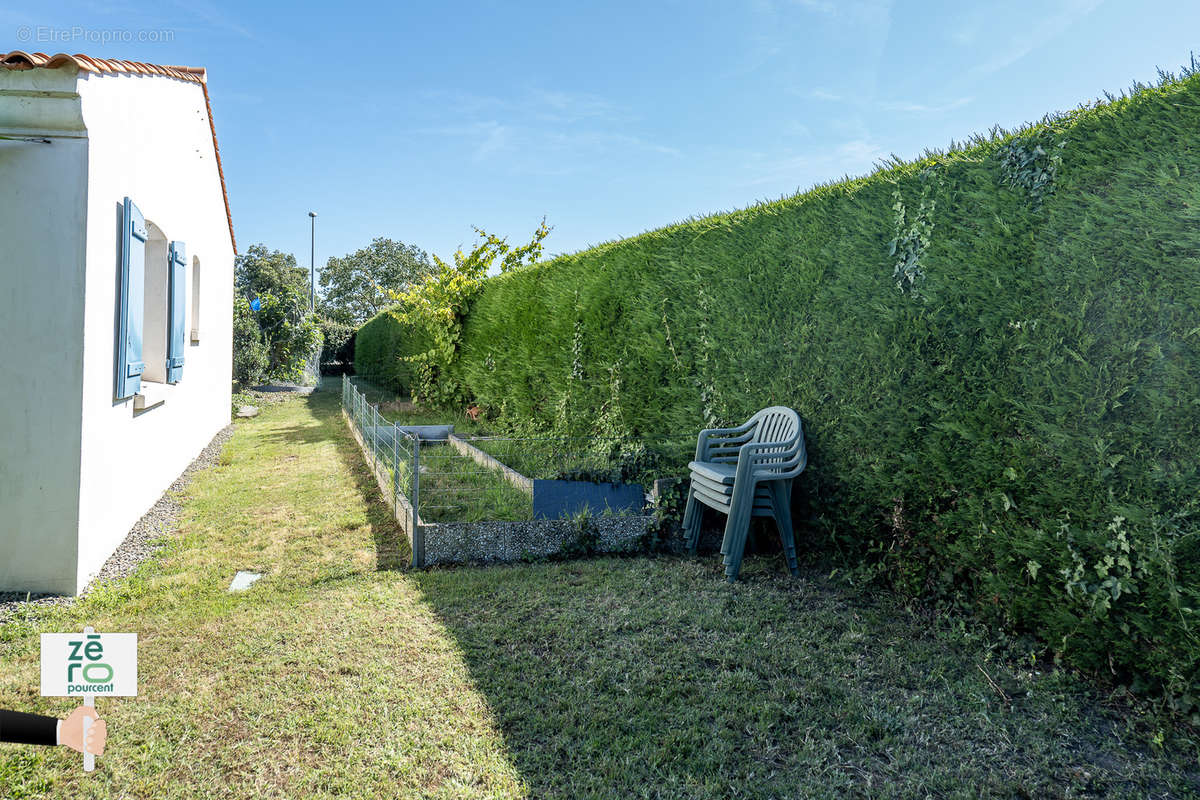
column 1024, row 442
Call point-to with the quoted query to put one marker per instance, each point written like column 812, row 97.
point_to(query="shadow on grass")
column 651, row 677
column 391, row 545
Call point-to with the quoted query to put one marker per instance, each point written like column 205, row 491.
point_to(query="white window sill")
column 151, row 396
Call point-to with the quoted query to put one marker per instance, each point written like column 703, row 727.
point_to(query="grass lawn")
column 338, row 675
column 454, row 488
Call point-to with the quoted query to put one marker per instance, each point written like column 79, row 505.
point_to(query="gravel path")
column 139, row 545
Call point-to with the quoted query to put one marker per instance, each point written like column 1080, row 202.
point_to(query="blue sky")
column 418, row 120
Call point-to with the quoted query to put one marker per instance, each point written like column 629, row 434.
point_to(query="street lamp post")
column 312, row 261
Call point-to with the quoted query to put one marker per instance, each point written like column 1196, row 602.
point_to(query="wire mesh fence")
column 391, row 451
column 446, row 477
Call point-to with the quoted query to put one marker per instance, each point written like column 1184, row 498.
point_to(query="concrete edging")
column 488, row 460
column 496, row 541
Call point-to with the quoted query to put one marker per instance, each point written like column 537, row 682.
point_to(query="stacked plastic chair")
column 745, row 472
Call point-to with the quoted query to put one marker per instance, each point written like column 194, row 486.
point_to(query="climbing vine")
column 912, row 237
column 439, row 303
column 1025, row 164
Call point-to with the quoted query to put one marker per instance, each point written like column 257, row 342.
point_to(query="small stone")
column 248, row 411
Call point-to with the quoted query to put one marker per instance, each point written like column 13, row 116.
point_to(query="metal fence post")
column 418, row 535
column 375, row 437
column 395, row 470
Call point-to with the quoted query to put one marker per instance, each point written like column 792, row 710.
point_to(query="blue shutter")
column 177, row 291
column 130, row 302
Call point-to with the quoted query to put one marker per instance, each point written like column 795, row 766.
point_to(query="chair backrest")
column 779, row 425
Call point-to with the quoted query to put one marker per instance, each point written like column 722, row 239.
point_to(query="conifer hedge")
column 995, row 351
column 381, row 347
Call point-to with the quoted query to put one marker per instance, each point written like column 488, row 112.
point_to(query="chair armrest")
column 726, row 437
column 745, row 426
column 793, row 454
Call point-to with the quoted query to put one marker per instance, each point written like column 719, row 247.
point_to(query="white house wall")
column 149, row 139
column 41, row 325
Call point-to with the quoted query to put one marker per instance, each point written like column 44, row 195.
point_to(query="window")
column 195, row 337
column 151, row 308
column 155, row 306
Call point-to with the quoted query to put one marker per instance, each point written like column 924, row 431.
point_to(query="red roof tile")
column 18, row 59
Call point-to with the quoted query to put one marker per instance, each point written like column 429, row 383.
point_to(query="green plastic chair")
column 743, row 472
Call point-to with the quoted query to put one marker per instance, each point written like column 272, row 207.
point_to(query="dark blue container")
column 556, row 499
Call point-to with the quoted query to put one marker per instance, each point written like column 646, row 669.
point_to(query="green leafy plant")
column 436, row 307
column 1031, row 163
column 912, row 238
column 250, row 358
column 359, row 285
column 337, row 344
column 290, row 333
column 281, row 339
column 584, row 537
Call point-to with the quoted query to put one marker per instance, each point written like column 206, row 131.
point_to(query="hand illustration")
column 71, row 733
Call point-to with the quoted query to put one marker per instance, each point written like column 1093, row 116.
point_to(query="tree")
column 358, row 286
column 280, row 337
column 261, row 271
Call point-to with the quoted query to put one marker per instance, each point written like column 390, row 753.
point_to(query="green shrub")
column 291, row 335
column 287, row 331
column 412, row 346
column 250, row 359
column 995, row 351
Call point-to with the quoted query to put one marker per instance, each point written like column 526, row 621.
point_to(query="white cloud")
column 924, row 108
column 851, row 10
column 569, row 106
column 824, row 94
column 547, row 104
column 496, row 138
column 1032, row 37
column 856, row 156
column 544, row 150
column 214, row 17
column 601, row 141
column 820, row 6
column 887, row 105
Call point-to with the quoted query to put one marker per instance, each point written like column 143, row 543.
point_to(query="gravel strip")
column 288, row 388
column 139, row 546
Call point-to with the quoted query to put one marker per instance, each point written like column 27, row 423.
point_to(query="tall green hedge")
column 381, row 345
column 996, row 353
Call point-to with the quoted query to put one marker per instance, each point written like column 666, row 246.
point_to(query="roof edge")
column 21, row 60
